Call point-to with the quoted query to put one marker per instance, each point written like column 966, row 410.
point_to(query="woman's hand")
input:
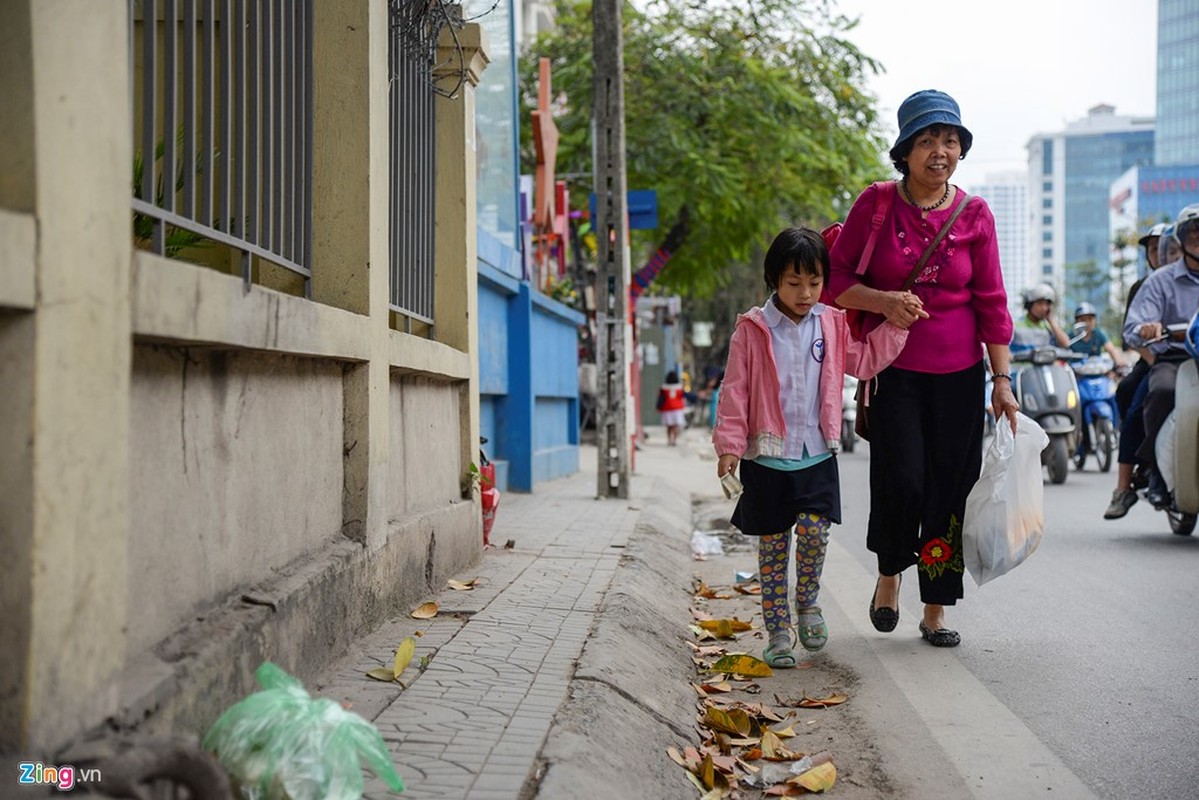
column 726, row 464
column 902, row 309
column 1003, row 401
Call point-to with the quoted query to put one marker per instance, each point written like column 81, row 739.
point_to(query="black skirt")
column 774, row 498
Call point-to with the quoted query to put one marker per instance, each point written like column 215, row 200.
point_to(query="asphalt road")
column 1092, row 644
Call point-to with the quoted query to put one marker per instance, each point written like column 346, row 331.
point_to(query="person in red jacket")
column 672, row 407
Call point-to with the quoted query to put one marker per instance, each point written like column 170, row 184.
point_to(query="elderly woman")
column 925, row 427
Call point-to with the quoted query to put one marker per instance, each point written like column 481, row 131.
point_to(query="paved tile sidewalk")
column 472, row 724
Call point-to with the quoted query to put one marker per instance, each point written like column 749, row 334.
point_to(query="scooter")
column 849, row 413
column 1048, row 392
column 1177, row 445
column 1097, row 396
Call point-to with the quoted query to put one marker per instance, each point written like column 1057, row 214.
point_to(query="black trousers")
column 1159, row 402
column 925, row 455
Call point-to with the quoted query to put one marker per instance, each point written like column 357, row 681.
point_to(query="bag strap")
column 882, row 207
column 957, row 212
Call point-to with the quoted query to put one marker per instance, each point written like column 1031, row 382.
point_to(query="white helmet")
column 1153, row 233
column 1042, row 291
column 1188, row 221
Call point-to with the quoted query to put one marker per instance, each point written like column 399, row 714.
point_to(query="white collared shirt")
column 798, row 352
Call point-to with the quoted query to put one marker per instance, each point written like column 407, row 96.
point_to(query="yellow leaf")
column 784, row 733
column 743, row 664
column 404, row 654
column 381, row 674
column 725, row 628
column 463, row 586
column 734, row 721
column 818, row 779
column 425, row 611
column 822, row 702
column 772, row 746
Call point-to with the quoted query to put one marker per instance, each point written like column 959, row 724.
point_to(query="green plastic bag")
column 282, row 744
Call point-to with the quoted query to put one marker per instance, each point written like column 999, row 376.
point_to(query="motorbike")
column 849, row 413
column 1097, row 397
column 1177, row 445
column 1048, row 393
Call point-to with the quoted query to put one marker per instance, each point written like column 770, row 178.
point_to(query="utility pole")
column 611, row 229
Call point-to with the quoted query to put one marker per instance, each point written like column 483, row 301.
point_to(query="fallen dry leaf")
column 404, row 654
column 822, row 702
column 463, row 586
column 676, row 756
column 743, row 664
column 725, row 628
column 733, row 721
column 510, row 544
column 785, row 790
column 425, row 611
column 715, row 688
column 818, row 779
column 752, row 588
column 382, row 674
column 784, row 733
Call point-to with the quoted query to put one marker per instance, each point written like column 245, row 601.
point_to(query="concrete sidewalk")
column 501, row 658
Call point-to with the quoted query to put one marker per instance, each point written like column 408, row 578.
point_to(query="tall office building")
column 1007, row 195
column 1177, row 139
column 1070, row 174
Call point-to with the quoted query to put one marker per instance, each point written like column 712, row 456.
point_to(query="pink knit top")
column 961, row 285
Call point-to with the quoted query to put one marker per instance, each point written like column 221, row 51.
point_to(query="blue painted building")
column 528, row 342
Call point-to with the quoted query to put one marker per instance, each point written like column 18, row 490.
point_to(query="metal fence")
column 223, row 127
column 411, row 54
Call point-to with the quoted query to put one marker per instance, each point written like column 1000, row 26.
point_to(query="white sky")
column 1016, row 67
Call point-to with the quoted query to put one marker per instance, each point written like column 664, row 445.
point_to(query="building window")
column 1046, row 236
column 1047, row 219
column 1047, row 202
column 1047, row 186
column 1047, row 157
column 1047, row 269
column 1047, row 252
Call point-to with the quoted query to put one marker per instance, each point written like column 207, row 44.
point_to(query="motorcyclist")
column 1169, row 296
column 1095, row 341
column 1037, row 327
column 1130, row 393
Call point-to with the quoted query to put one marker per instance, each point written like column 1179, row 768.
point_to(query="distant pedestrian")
column 672, row 407
column 779, row 418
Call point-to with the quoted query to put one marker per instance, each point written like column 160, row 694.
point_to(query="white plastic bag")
column 1005, row 511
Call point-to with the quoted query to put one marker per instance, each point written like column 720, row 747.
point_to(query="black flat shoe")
column 884, row 619
column 941, row 637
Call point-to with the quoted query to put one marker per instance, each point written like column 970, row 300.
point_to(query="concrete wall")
column 198, row 474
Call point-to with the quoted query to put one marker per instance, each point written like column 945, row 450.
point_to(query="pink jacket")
column 749, row 416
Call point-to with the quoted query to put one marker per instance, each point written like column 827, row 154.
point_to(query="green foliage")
column 751, row 117
column 177, row 239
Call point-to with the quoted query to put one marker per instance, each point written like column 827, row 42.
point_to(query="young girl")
column 779, row 416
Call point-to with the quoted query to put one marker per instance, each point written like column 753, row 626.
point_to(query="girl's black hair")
column 904, row 149
column 801, row 248
column 671, row 377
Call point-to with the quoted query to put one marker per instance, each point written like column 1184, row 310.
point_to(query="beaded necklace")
column 908, row 195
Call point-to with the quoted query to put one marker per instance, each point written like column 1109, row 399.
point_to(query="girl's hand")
column 1003, row 402
column 903, row 308
column 726, row 464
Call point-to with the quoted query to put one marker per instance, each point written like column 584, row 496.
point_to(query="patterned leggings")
column 811, row 541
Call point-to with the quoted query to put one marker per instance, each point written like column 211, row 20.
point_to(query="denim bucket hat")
column 930, row 107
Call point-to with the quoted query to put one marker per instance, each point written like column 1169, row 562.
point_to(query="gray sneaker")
column 1122, row 500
